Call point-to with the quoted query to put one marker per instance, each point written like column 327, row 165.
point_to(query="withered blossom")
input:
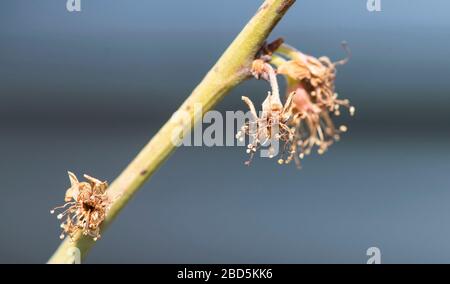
column 317, row 76
column 304, row 121
column 272, row 122
column 86, row 207
column 313, row 125
column 314, row 101
column 271, row 126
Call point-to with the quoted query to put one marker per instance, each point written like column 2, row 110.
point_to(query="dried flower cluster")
column 305, row 119
column 86, row 207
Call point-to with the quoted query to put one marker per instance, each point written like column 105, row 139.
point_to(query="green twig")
column 231, row 69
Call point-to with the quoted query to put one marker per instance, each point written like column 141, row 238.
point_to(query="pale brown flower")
column 272, row 122
column 86, row 207
column 304, row 121
column 313, row 124
column 317, row 76
column 310, row 84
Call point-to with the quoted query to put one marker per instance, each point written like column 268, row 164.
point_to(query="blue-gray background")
column 85, row 91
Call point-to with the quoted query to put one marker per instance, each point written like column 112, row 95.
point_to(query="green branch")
column 231, row 69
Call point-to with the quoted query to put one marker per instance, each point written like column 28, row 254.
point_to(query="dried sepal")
column 86, row 207
column 268, row 49
column 258, row 68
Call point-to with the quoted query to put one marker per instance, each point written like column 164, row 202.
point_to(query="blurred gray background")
column 85, row 91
